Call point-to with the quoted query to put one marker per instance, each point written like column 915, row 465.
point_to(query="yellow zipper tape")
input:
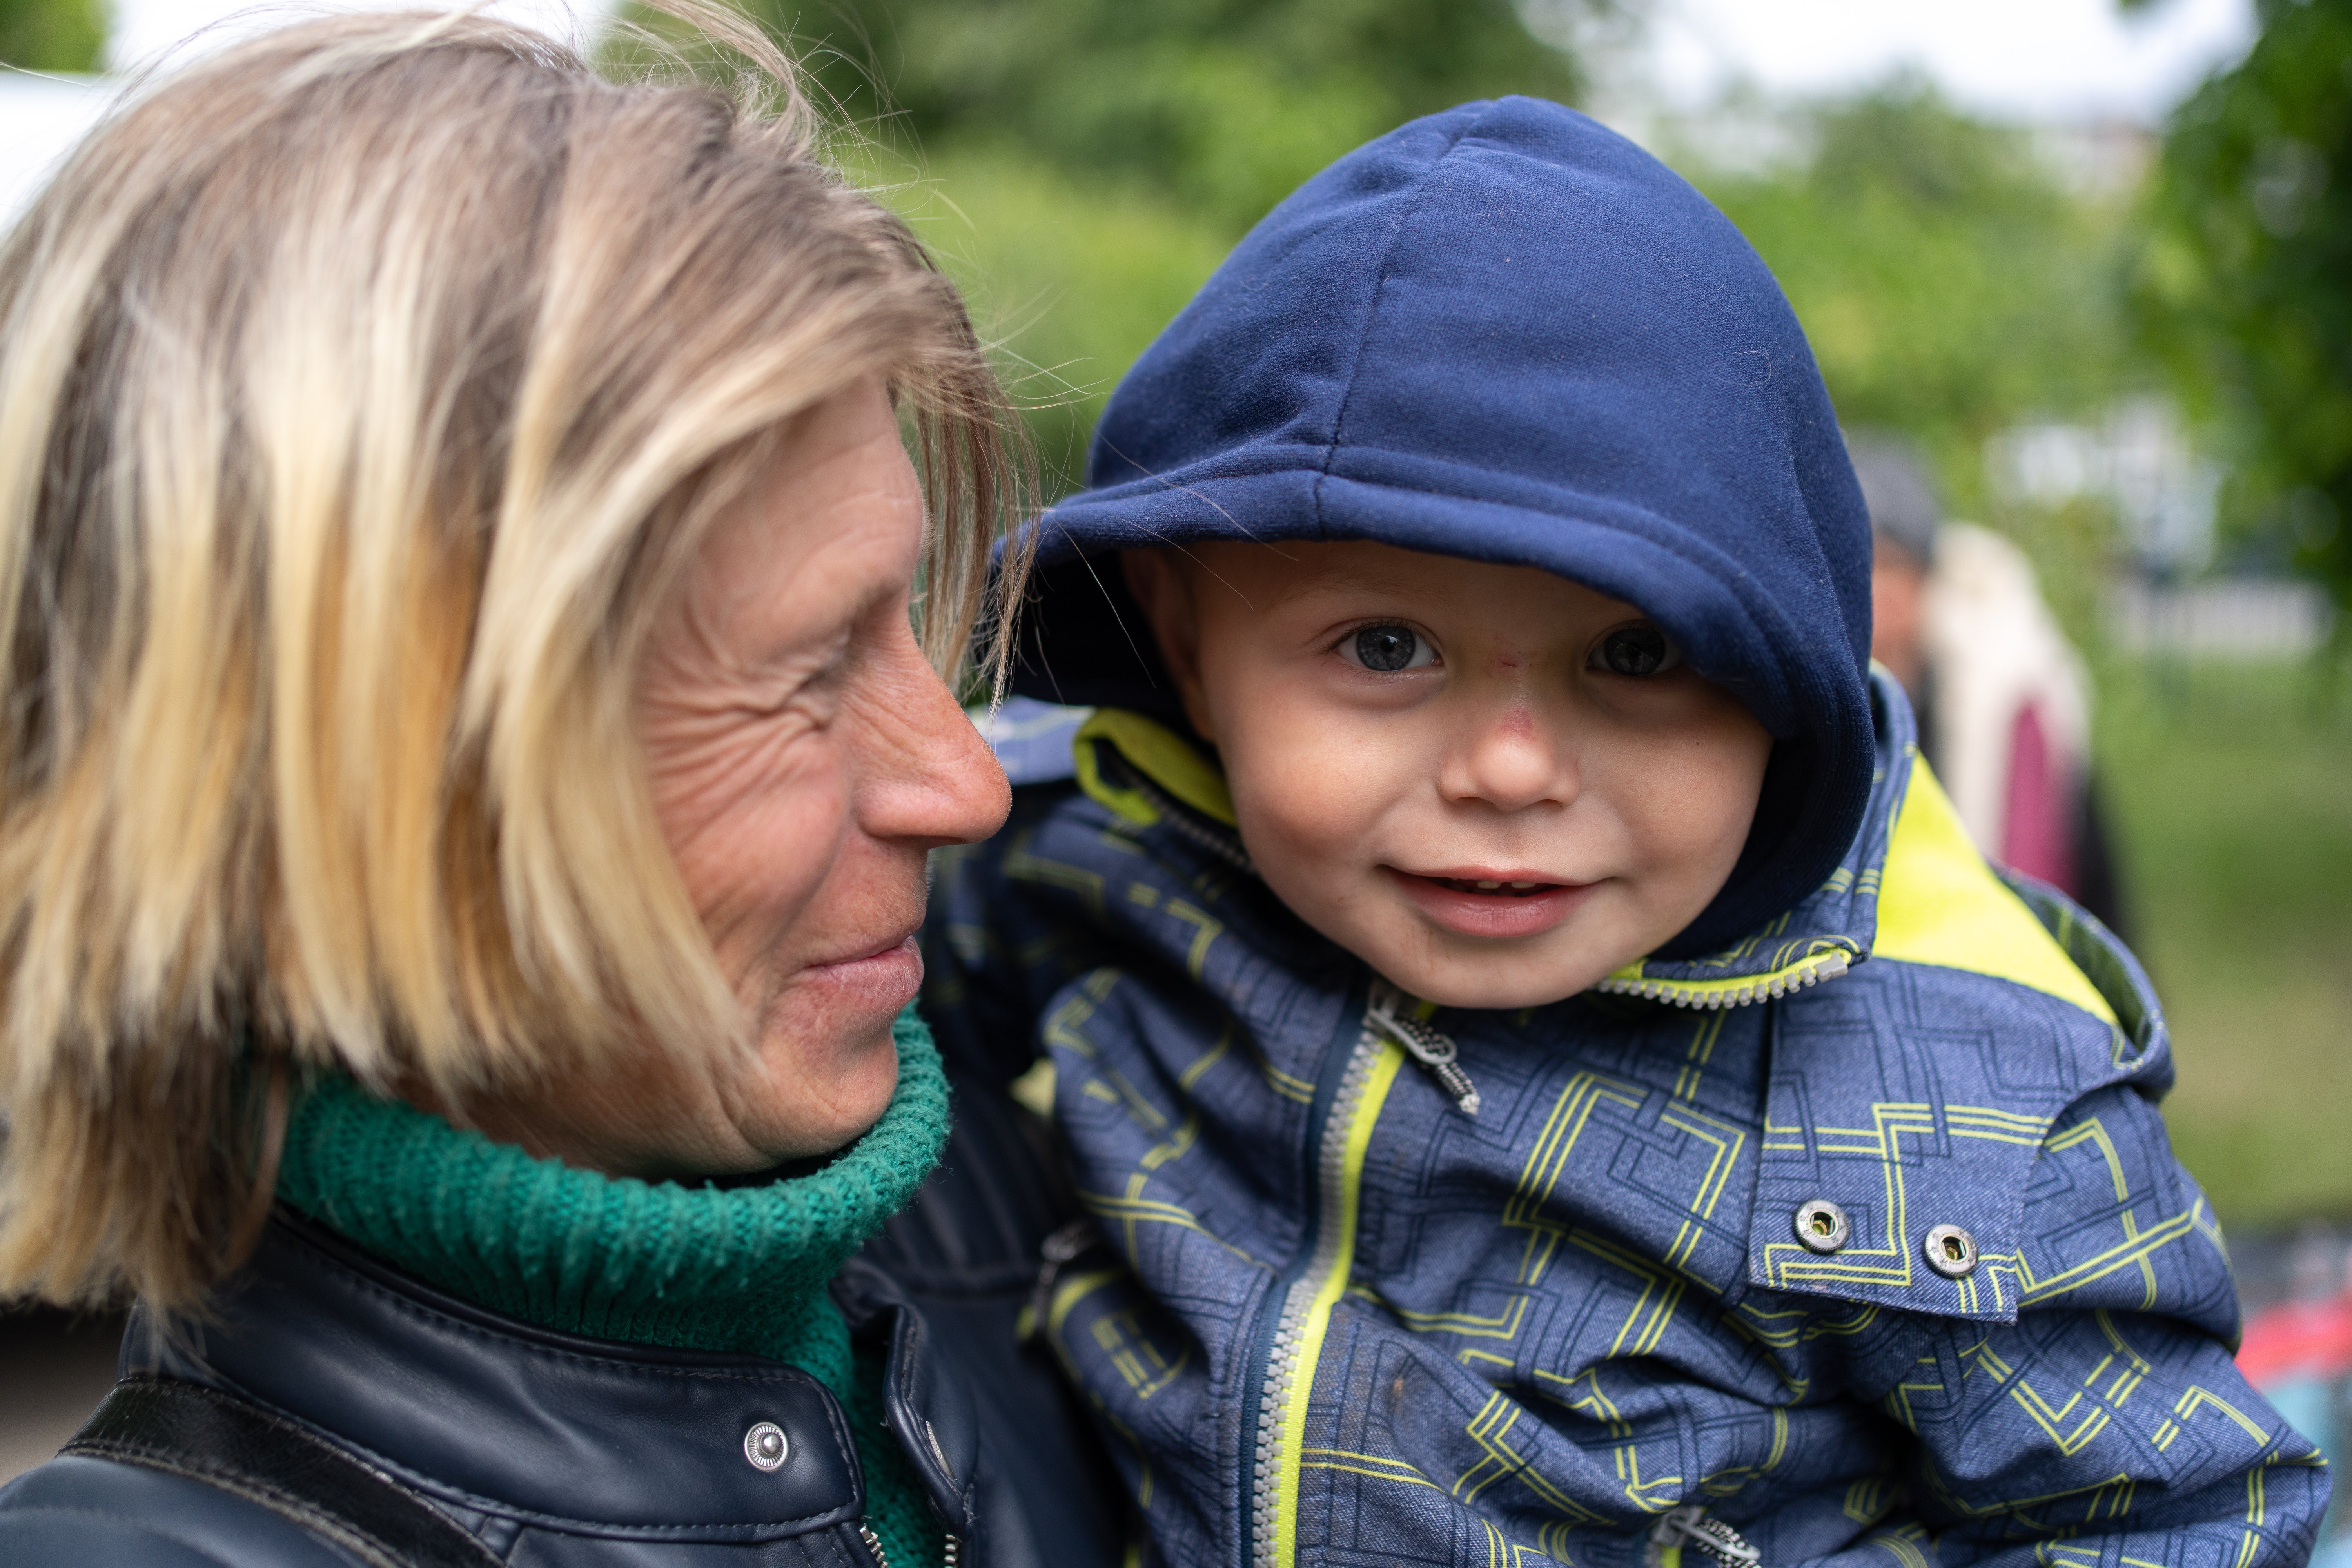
column 1335, row 1284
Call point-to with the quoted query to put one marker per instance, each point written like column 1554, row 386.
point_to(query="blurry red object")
column 2036, row 831
column 2298, row 1339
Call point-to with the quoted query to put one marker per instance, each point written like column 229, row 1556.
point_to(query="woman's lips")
column 888, row 977
column 1492, row 903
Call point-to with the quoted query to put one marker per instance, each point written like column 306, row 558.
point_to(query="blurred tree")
column 52, row 35
column 1951, row 284
column 1081, row 165
column 2243, row 283
column 1224, row 105
column 1072, row 280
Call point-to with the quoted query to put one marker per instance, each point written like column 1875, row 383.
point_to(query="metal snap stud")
column 1951, row 1252
column 765, row 1445
column 1822, row 1226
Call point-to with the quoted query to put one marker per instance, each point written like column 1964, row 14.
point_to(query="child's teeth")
column 1522, row 885
column 1484, row 885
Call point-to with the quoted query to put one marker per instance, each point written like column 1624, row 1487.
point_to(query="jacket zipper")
column 1288, row 1375
column 1401, row 1017
column 1708, row 994
column 953, row 1552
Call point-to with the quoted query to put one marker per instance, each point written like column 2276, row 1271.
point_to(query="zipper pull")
column 1692, row 1527
column 1395, row 1014
column 1061, row 1249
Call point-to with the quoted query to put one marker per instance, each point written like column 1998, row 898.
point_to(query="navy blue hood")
column 1507, row 333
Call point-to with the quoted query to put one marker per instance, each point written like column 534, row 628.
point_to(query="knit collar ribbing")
column 740, row 1269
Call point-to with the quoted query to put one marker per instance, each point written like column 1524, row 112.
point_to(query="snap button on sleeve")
column 1951, row 1252
column 1822, row 1226
column 765, row 1445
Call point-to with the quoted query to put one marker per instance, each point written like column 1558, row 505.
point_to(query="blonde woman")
column 470, row 749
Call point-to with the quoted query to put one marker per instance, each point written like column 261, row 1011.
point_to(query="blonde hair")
column 362, row 389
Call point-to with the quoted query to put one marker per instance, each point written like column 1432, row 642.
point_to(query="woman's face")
column 804, row 758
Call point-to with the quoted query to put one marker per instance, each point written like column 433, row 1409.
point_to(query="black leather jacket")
column 548, row 1450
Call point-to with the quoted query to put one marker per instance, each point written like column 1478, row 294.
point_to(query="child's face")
column 1490, row 784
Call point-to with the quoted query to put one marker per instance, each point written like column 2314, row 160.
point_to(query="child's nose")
column 1510, row 760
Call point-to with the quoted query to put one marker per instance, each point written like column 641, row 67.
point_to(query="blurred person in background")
column 2003, row 698
column 470, row 756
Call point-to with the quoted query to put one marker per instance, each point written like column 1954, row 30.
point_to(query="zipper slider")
column 1396, row 1015
column 1691, row 1526
column 1059, row 1250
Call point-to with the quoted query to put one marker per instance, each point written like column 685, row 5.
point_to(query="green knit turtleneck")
column 736, row 1269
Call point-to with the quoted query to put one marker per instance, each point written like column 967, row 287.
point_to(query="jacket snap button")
column 1951, row 1252
column 765, row 1447
column 1822, row 1226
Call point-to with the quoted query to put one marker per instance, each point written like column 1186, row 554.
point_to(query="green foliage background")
column 2243, row 285
column 2235, row 784
column 1950, row 283
column 2232, row 797
column 1083, row 165
column 53, row 35
column 1220, row 105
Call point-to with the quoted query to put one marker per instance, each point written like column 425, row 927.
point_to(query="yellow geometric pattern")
column 1585, row 1305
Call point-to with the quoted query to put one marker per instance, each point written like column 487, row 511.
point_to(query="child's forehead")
column 1275, row 572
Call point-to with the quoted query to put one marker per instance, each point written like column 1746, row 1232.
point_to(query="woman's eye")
column 1636, row 652
column 1387, row 648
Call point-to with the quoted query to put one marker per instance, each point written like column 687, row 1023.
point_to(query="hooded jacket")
column 1506, row 334
column 1843, row 1229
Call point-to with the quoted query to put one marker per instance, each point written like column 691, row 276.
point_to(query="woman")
column 468, row 768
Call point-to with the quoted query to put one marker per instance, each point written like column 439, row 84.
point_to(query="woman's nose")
column 936, row 781
column 1510, row 759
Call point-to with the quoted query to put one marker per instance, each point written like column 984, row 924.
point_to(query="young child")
column 1550, row 1077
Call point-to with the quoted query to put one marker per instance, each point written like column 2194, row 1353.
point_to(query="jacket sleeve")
column 2108, row 1424
column 996, row 944
column 75, row 1511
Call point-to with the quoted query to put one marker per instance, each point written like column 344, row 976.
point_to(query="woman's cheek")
column 755, row 869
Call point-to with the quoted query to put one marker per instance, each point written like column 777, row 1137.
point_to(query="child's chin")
column 1492, row 982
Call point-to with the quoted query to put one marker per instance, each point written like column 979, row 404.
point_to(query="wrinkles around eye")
column 813, row 695
column 710, row 676
column 705, row 759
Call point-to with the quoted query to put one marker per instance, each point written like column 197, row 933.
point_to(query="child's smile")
column 1491, row 784
column 1489, row 903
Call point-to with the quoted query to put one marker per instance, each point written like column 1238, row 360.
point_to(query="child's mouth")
column 1500, row 889
column 1496, row 907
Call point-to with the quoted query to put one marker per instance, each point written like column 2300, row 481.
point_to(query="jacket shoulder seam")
column 1940, row 904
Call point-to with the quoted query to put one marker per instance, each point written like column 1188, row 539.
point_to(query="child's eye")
column 1636, row 652
column 1387, row 649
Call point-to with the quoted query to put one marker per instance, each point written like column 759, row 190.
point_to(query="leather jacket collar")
column 511, row 1428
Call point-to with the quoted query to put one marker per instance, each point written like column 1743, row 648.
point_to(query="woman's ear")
column 1162, row 582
